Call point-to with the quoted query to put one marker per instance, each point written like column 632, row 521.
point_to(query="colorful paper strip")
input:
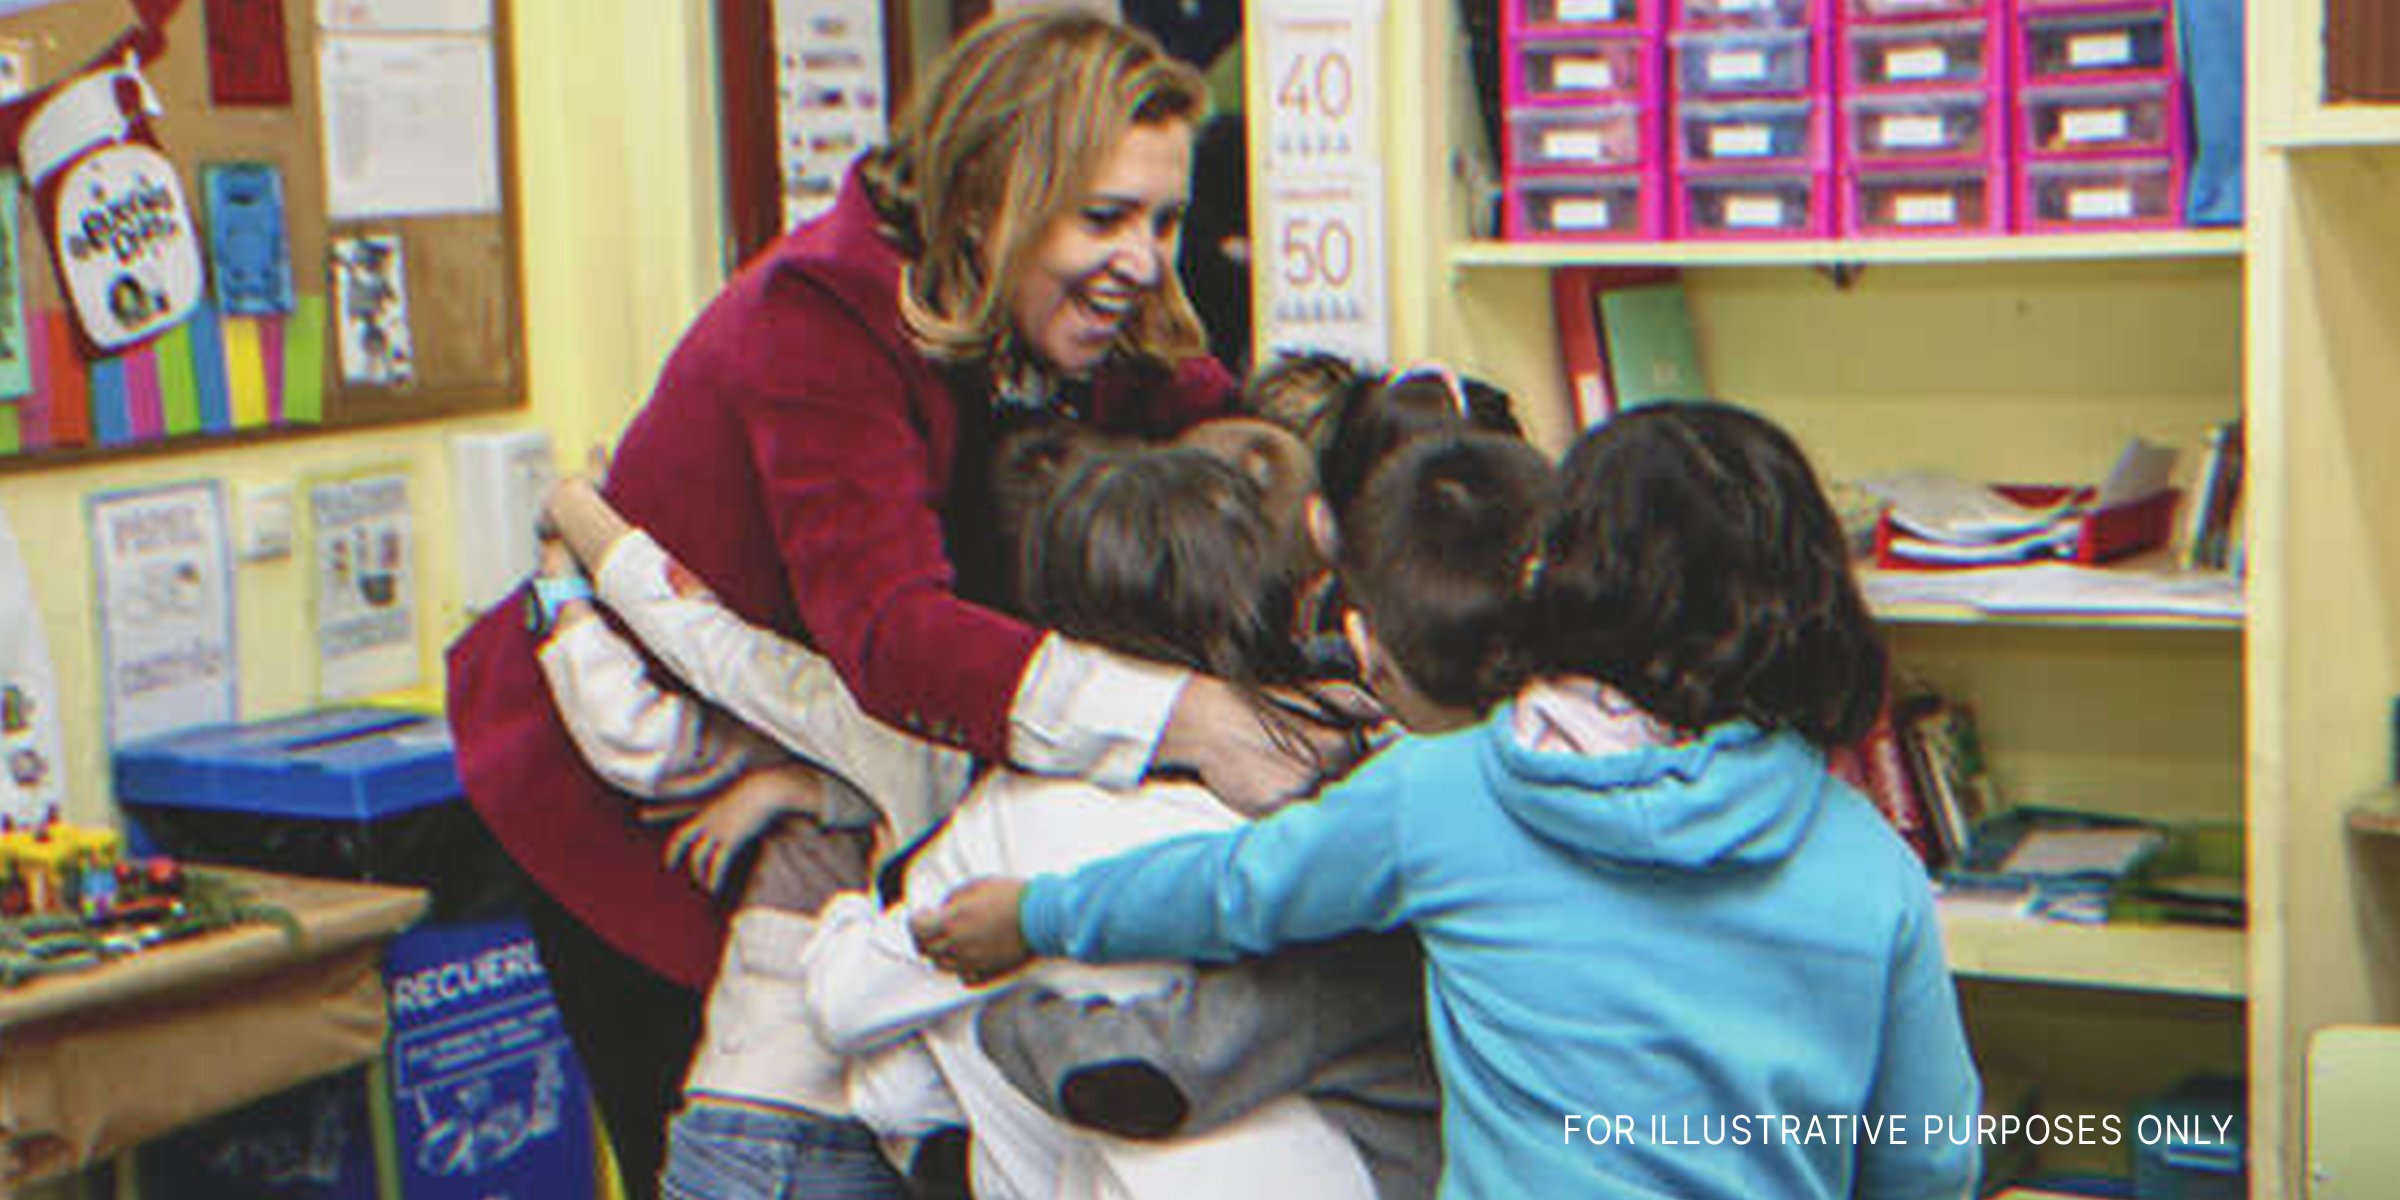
column 304, row 363
column 208, row 371
column 112, row 419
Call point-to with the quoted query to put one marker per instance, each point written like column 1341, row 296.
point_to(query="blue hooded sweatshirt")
column 1689, row 972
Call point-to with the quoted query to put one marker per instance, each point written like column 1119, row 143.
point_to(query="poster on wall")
column 411, row 125
column 33, row 785
column 164, row 577
column 829, row 96
column 362, row 543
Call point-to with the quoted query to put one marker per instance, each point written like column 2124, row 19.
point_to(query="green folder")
column 1651, row 353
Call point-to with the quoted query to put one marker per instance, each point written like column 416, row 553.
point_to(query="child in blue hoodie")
column 1668, row 955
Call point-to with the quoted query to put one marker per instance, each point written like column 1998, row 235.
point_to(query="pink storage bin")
column 1618, row 205
column 1749, row 14
column 1580, row 70
column 1751, row 134
column 2085, row 45
column 1877, row 11
column 1741, row 206
column 1904, row 127
column 1954, row 200
column 2135, row 117
column 1599, row 138
column 1920, row 54
column 1762, row 62
column 1578, row 16
column 2099, row 194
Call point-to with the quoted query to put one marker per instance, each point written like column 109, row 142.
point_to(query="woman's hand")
column 1253, row 763
column 708, row 845
column 975, row 934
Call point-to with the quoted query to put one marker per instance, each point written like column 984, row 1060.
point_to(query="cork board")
column 221, row 377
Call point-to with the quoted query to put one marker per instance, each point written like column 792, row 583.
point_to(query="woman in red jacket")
column 1012, row 247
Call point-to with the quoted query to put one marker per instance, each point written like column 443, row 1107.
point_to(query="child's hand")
column 975, row 934
column 708, row 845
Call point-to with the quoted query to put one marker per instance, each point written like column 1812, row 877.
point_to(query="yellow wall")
column 617, row 166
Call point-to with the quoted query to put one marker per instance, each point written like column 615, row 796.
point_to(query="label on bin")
column 2100, row 49
column 2093, row 125
column 1753, row 212
column 1587, row 10
column 1737, row 66
column 1583, row 74
column 1911, row 132
column 1740, row 141
column 1579, row 214
column 1916, row 62
column 1925, row 208
column 2099, row 203
column 1578, row 145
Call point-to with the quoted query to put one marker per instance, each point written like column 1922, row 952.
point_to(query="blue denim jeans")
column 729, row 1152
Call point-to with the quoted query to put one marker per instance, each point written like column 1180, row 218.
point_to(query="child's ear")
column 1321, row 533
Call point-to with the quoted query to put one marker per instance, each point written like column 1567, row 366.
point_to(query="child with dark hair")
column 1660, row 913
column 1376, row 415
column 1168, row 554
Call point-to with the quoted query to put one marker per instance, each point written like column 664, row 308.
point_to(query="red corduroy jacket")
column 799, row 456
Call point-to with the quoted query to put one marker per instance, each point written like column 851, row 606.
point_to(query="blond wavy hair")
column 1004, row 135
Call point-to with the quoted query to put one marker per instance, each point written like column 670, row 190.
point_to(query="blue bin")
column 484, row 1097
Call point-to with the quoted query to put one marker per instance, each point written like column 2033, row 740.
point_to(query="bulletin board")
column 435, row 330
column 783, row 68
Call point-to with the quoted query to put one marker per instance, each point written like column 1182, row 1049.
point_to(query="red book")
column 1582, row 350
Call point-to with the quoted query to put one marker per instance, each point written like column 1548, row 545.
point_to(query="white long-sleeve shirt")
column 866, row 988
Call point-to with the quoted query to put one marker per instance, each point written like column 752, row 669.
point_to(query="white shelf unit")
column 2031, row 359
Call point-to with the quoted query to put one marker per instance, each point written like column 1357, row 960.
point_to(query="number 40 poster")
column 1323, row 261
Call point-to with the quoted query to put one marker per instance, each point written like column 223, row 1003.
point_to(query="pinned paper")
column 248, row 64
column 16, row 349
column 165, row 582
column 371, row 297
column 363, row 548
column 32, row 771
column 411, row 125
column 248, row 255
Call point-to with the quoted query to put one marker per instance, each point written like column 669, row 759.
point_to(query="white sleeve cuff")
column 1084, row 711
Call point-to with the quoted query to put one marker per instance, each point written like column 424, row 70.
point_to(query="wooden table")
column 97, row 1061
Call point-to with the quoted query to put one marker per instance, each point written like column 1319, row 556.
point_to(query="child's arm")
column 1307, row 873
column 776, row 685
column 711, row 843
column 642, row 739
column 1186, row 1061
column 1925, row 1070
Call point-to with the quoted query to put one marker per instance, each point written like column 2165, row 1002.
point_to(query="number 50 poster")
column 1322, row 262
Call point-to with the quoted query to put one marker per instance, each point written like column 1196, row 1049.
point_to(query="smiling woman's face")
column 1099, row 260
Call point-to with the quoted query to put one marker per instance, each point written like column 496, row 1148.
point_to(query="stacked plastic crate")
column 1749, row 122
column 1582, row 93
column 2102, row 142
column 1924, row 132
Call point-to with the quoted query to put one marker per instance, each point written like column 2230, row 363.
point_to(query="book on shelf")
column 1946, row 766
column 2050, row 864
column 1624, row 338
column 2213, row 510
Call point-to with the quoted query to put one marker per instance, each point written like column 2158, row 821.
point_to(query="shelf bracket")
column 1843, row 274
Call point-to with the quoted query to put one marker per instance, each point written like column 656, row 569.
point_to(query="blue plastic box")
column 347, row 793
column 2189, row 1143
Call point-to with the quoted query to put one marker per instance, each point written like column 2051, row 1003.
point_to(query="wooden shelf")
column 2190, row 960
column 2337, row 126
column 2195, row 243
column 1946, row 614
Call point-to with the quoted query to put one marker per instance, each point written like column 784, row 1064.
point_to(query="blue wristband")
column 551, row 593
